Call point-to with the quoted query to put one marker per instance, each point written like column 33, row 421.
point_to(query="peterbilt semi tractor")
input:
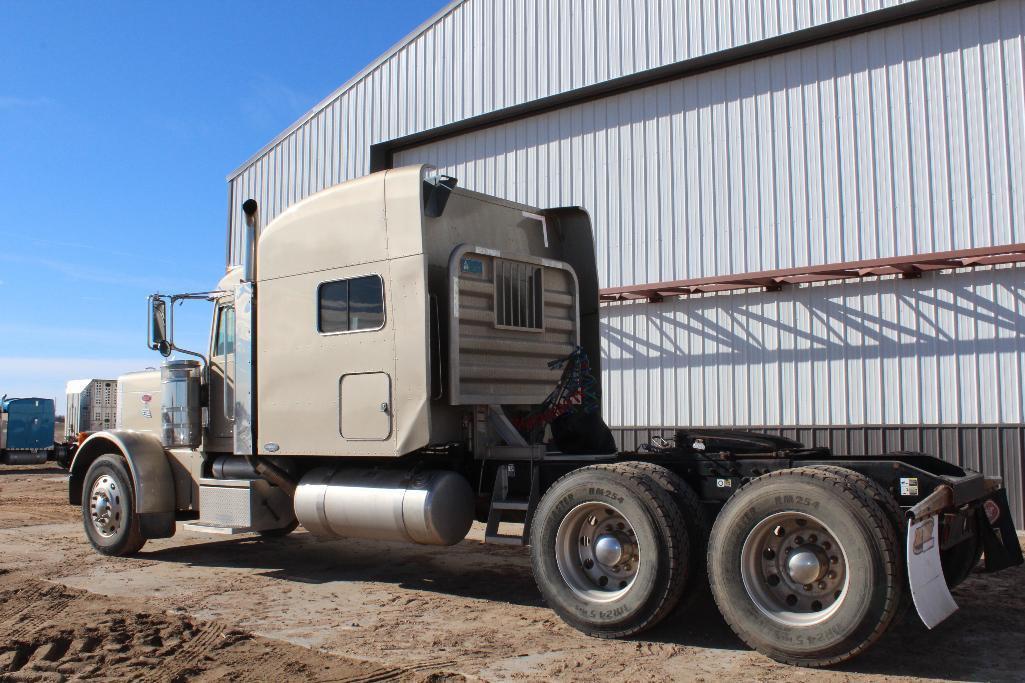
column 398, row 357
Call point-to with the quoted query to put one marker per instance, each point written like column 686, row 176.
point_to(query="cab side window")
column 225, row 344
column 351, row 305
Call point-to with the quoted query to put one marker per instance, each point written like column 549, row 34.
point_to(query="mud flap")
column 925, row 572
column 999, row 538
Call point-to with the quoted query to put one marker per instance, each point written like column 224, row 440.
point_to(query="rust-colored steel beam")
column 770, row 280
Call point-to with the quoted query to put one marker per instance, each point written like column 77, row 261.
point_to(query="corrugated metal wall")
column 901, row 140
column 944, row 349
column 479, row 56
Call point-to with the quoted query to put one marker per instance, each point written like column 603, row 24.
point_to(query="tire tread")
column 695, row 518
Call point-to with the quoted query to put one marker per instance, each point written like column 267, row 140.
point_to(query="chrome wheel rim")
column 597, row 552
column 106, row 508
column 794, row 569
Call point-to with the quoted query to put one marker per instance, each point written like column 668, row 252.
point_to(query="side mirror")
column 158, row 326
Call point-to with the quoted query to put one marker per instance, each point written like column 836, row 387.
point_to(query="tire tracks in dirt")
column 51, row 632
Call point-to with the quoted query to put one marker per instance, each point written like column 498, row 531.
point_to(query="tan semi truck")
column 398, row 357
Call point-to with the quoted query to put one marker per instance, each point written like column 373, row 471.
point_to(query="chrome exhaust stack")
column 252, row 217
column 242, row 412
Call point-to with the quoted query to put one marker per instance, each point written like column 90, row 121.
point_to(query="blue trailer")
column 26, row 430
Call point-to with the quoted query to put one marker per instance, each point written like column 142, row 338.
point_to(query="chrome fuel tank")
column 433, row 507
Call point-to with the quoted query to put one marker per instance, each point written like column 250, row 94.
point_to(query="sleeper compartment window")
column 351, row 305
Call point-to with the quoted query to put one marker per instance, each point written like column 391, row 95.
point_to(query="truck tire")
column 694, row 517
column 804, row 567
column 65, row 455
column 586, row 543
column 873, row 490
column 108, row 508
column 889, row 505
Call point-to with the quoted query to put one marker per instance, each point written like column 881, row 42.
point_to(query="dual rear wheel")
column 804, row 564
column 610, row 550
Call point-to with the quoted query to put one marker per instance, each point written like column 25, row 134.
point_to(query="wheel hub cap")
column 608, row 550
column 804, row 565
column 794, row 569
column 105, row 506
column 597, row 552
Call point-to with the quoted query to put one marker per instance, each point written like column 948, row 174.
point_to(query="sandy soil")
column 199, row 607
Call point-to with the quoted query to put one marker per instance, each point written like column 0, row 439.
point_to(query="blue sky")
column 118, row 124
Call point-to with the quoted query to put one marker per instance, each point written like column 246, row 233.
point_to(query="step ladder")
column 502, row 503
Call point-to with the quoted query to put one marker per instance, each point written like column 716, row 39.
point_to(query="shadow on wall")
column 976, row 312
column 946, row 348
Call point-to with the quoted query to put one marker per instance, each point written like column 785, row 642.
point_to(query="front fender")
column 151, row 474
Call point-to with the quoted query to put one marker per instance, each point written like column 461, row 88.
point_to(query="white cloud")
column 46, row 377
column 84, row 337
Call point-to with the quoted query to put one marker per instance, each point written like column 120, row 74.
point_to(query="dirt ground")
column 198, row 607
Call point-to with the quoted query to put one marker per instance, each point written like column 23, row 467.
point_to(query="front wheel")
column 108, row 508
column 609, row 550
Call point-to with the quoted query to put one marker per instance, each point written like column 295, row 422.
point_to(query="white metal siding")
column 899, row 141
column 943, row 349
column 482, row 55
column 903, row 140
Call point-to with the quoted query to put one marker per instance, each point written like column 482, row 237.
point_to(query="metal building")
column 807, row 212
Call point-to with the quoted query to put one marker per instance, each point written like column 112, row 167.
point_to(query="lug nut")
column 807, row 586
column 821, row 584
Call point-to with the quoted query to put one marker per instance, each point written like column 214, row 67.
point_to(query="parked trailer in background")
column 92, row 406
column 26, row 430
column 397, row 358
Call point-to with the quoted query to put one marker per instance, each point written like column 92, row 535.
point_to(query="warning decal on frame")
column 909, row 486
